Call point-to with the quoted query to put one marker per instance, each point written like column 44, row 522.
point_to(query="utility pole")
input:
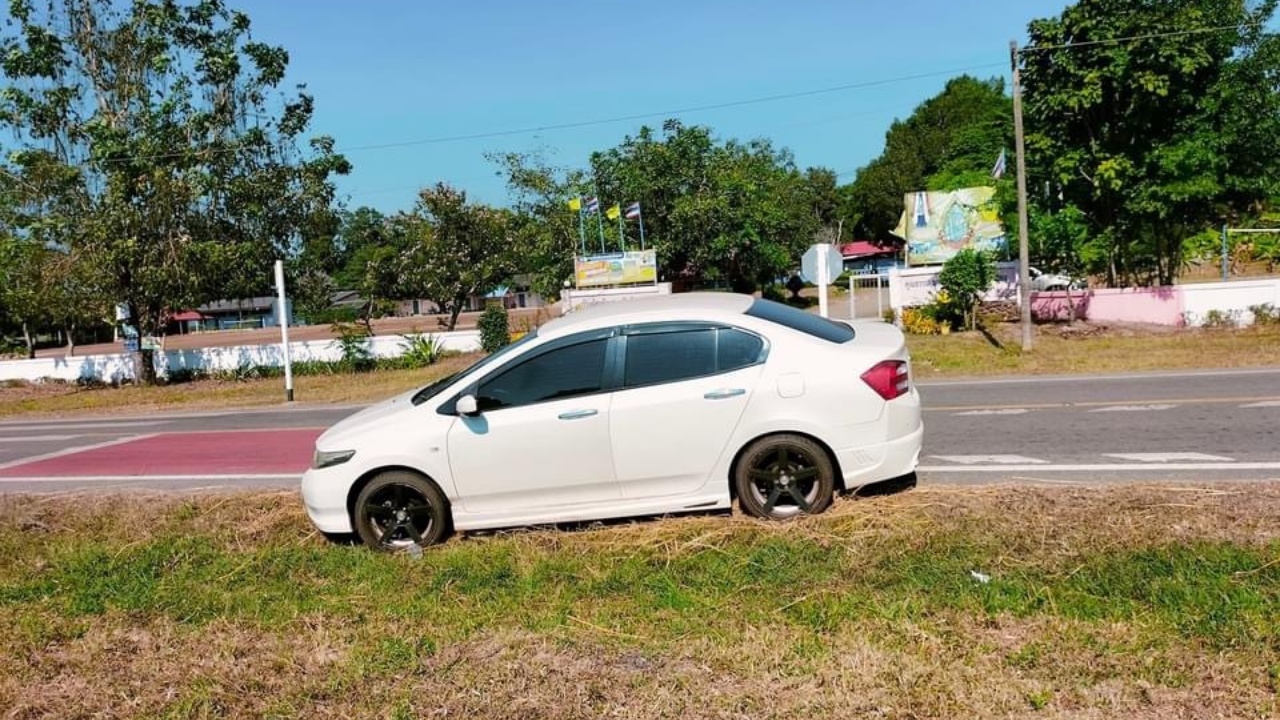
column 1024, row 261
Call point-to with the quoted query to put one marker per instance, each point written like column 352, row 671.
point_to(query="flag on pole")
column 613, row 212
column 997, row 172
column 592, row 205
column 576, row 204
column 633, row 211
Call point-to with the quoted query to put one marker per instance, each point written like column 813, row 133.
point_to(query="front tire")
column 398, row 509
column 783, row 476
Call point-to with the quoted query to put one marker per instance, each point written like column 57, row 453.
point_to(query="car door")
column 683, row 390
column 541, row 436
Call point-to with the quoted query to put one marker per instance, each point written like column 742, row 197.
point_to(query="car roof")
column 680, row 306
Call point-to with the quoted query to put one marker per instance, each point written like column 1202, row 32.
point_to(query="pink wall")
column 1159, row 306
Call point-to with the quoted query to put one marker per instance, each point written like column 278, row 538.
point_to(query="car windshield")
column 434, row 388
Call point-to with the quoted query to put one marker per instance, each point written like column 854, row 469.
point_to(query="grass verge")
column 1147, row 602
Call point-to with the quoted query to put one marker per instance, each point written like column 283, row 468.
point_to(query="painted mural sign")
column 937, row 225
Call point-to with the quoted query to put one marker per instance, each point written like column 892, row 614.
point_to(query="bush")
column 1265, row 314
column 494, row 333
column 419, row 351
column 918, row 321
column 966, row 278
column 353, row 341
column 177, row 376
column 1221, row 319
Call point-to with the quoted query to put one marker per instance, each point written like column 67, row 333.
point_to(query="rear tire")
column 399, row 509
column 783, row 476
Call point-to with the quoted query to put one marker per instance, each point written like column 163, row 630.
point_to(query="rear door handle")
column 578, row 414
column 725, row 394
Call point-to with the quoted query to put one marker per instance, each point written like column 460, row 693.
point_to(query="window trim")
column 666, row 328
column 449, row 407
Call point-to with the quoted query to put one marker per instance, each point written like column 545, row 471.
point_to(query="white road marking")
column 151, row 478
column 73, row 450
column 1263, row 404
column 1103, row 467
column 1133, row 408
column 991, row 459
column 1124, row 377
column 1004, row 411
column 1169, row 457
column 36, row 438
column 46, row 426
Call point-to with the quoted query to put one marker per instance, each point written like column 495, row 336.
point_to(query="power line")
column 664, row 113
column 1149, row 36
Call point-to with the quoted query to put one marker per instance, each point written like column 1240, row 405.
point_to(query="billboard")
column 937, row 225
column 624, row 268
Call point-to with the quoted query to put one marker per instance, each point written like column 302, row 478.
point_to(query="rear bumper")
column 896, row 457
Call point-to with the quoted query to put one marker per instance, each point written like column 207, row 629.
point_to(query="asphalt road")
column 1198, row 426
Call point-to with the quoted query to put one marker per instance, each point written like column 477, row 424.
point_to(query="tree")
column 453, row 249
column 950, row 141
column 183, row 183
column 1152, row 140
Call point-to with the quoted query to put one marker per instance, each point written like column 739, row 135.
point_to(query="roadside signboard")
column 624, row 268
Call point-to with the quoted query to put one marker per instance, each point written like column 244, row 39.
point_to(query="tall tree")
column 187, row 183
column 949, row 142
column 453, row 249
column 1153, row 139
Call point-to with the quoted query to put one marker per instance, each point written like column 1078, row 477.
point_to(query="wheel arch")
column 831, row 455
column 368, row 476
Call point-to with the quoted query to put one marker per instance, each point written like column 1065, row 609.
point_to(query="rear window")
column 805, row 322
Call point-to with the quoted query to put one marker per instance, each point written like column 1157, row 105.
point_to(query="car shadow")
column 885, row 488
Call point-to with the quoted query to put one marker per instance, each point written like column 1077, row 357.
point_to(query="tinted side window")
column 805, row 322
column 737, row 350
column 563, row 373
column 670, row 356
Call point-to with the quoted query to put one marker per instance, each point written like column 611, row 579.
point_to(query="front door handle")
column 725, row 394
column 578, row 414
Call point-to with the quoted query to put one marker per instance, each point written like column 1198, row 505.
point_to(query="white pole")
column 879, row 297
column 822, row 279
column 282, row 315
column 853, row 305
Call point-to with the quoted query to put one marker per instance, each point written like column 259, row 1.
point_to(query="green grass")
column 1093, row 599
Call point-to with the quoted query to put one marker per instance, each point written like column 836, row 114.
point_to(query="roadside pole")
column 822, row 280
column 1024, row 261
column 282, row 316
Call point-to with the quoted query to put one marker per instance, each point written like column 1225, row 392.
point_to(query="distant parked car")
column 1048, row 281
column 645, row 407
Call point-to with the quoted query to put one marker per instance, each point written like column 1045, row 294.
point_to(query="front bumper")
column 324, row 494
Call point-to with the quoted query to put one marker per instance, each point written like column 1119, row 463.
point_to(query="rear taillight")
column 890, row 379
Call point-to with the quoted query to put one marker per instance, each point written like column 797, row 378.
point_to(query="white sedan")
column 672, row 404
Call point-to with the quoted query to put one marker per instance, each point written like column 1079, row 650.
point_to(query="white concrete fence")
column 118, row 367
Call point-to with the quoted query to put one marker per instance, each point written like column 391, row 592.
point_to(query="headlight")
column 329, row 458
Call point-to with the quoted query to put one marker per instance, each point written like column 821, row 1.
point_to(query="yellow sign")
column 627, row 268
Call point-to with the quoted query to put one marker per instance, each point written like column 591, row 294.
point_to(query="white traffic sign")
column 811, row 266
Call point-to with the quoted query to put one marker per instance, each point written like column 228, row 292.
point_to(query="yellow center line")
column 1101, row 403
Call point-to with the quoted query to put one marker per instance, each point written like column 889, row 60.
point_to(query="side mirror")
column 467, row 405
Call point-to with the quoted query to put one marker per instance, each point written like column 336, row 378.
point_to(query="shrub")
column 177, row 376
column 353, row 341
column 966, row 278
column 420, row 350
column 494, row 334
column 1221, row 319
column 918, row 321
column 1265, row 314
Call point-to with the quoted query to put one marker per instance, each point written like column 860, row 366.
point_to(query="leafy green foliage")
column 966, row 277
column 718, row 212
column 132, row 147
column 950, row 141
column 494, row 333
column 1152, row 140
column 353, row 342
column 421, row 350
column 452, row 250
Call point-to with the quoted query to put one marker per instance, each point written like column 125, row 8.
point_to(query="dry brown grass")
column 355, row 648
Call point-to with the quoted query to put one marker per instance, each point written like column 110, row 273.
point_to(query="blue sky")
column 394, row 71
